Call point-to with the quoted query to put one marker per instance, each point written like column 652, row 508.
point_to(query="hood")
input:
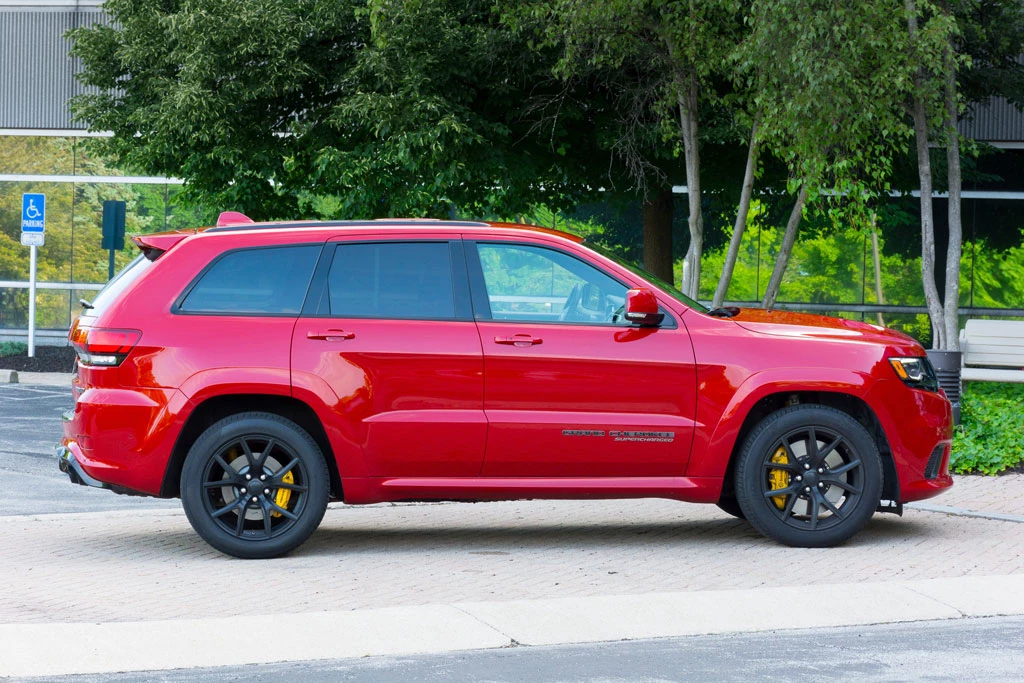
column 790, row 324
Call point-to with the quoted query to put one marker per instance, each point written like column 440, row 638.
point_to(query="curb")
column 50, row 379
column 89, row 648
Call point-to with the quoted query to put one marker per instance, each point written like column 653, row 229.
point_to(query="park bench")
column 993, row 351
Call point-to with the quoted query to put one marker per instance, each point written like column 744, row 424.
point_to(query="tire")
column 218, row 496
column 809, row 476
column 731, row 506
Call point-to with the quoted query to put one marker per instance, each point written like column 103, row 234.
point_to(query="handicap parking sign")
column 33, row 212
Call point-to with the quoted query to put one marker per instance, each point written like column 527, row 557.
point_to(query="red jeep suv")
column 259, row 371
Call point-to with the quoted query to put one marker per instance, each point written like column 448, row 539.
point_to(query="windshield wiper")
column 85, row 304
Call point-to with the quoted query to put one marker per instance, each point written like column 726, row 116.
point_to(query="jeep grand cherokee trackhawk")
column 259, row 371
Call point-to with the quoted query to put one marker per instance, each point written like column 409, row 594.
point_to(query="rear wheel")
column 809, row 476
column 255, row 485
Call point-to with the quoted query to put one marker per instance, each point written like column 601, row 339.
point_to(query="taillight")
column 103, row 347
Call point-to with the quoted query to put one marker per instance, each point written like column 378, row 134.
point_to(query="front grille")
column 931, row 470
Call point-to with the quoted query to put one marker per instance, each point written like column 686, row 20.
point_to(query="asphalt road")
column 30, row 483
column 959, row 651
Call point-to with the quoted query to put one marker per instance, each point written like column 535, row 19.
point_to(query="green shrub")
column 13, row 348
column 990, row 438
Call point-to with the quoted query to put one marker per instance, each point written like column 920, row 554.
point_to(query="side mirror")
column 642, row 308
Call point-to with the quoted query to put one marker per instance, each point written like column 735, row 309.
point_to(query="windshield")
column 666, row 287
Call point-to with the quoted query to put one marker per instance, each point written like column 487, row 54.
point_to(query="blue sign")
column 33, row 212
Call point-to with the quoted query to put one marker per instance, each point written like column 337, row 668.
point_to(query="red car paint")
column 480, row 409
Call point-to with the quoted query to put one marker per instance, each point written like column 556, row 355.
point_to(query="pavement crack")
column 512, row 642
column 963, row 615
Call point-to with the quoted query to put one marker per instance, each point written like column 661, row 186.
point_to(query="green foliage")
column 8, row 348
column 352, row 109
column 990, row 438
column 827, row 80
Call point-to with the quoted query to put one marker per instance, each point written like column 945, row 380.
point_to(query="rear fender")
column 345, row 435
column 220, row 381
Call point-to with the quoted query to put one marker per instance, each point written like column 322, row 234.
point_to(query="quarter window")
column 526, row 283
column 392, row 280
column 264, row 281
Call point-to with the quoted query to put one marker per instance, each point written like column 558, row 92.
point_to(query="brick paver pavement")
column 148, row 565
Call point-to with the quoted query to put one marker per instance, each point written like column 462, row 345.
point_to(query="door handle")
column 330, row 335
column 519, row 340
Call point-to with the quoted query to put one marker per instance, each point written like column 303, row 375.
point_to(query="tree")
column 343, row 109
column 826, row 81
column 943, row 40
column 660, row 60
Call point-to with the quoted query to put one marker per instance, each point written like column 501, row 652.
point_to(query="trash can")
column 947, row 368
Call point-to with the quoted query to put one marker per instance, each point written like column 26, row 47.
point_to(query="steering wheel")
column 571, row 302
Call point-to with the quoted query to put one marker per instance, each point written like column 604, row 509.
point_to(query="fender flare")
column 712, row 458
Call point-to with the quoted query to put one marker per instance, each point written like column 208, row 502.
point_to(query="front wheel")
column 809, row 476
column 255, row 485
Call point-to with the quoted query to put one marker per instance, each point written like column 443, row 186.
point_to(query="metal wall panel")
column 36, row 73
column 994, row 121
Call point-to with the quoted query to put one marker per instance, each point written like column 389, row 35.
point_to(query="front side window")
column 262, row 281
column 527, row 283
column 403, row 280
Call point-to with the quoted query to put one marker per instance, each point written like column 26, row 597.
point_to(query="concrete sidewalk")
column 139, row 590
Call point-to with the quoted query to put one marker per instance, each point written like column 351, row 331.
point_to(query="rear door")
column 572, row 390
column 391, row 333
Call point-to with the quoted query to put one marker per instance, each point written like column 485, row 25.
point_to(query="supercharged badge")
column 655, row 437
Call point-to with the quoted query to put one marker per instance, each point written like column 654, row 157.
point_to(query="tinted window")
column 255, row 281
column 392, row 280
column 532, row 283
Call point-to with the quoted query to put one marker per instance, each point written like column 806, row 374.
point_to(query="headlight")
column 916, row 372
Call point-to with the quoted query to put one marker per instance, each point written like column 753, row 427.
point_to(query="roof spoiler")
column 154, row 245
column 232, row 218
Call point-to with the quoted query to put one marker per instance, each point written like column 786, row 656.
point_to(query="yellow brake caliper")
column 284, row 495
column 778, row 478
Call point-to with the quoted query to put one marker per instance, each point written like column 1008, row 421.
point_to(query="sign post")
column 113, row 230
column 33, row 231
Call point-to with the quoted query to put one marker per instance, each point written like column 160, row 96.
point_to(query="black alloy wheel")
column 809, row 476
column 255, row 485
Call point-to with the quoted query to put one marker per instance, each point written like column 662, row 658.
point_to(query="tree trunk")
column 924, row 172
column 691, row 152
column 741, row 221
column 951, row 315
column 788, row 240
column 877, row 258
column 657, row 226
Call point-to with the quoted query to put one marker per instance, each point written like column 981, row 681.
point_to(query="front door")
column 572, row 390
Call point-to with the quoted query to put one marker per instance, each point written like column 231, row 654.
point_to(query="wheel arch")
column 853, row 406
column 218, row 407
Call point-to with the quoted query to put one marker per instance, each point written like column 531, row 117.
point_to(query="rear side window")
column 392, row 280
column 264, row 281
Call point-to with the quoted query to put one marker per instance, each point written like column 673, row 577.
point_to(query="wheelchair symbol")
column 31, row 212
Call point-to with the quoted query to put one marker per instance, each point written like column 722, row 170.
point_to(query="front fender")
column 718, row 428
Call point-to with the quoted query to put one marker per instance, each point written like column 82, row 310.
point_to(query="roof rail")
column 238, row 225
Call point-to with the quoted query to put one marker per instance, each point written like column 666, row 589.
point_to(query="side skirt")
column 363, row 490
